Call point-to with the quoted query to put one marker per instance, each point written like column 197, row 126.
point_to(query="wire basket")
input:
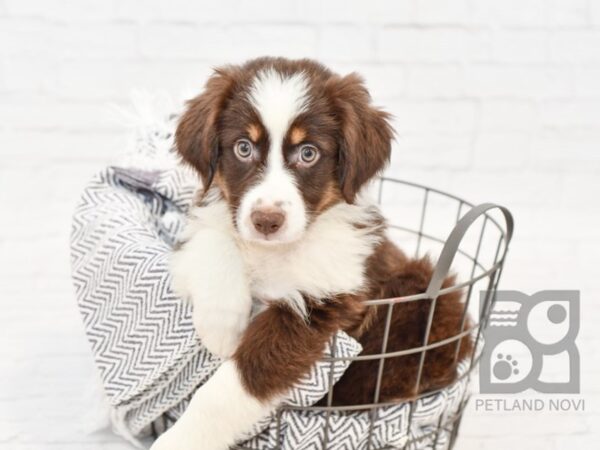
column 474, row 240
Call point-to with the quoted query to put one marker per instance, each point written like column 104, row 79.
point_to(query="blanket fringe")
column 152, row 119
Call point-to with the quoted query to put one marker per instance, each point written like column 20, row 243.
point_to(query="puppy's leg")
column 208, row 270
column 277, row 349
column 219, row 412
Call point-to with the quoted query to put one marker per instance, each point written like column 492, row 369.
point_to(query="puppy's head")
column 283, row 140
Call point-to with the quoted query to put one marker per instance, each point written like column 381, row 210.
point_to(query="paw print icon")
column 505, row 367
column 529, row 343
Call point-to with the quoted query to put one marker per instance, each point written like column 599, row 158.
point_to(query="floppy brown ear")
column 196, row 137
column 366, row 139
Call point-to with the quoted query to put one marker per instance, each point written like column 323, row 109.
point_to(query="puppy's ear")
column 196, row 137
column 366, row 137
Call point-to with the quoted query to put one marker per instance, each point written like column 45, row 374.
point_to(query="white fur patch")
column 208, row 270
column 328, row 260
column 278, row 99
column 219, row 413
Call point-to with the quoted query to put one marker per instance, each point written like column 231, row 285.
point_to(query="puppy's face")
column 283, row 140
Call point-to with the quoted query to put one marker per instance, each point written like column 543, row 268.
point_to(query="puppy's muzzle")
column 267, row 221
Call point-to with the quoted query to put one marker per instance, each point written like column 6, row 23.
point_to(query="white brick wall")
column 493, row 100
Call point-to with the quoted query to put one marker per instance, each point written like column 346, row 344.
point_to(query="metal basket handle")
column 455, row 238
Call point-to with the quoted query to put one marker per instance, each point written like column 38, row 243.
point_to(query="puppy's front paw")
column 219, row 330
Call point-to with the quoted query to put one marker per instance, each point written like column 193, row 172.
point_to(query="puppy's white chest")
column 322, row 264
column 272, row 276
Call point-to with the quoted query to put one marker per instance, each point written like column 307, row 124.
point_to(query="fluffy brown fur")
column 393, row 275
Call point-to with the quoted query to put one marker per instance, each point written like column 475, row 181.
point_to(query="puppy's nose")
column 267, row 221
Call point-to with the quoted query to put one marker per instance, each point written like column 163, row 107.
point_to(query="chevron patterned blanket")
column 141, row 334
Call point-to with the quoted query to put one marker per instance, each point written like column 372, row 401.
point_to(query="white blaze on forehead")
column 278, row 99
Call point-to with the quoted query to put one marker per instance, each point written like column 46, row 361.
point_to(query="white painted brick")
column 595, row 12
column 108, row 81
column 54, row 147
column 569, row 441
column 407, row 44
column 442, row 12
column 520, row 13
column 570, row 113
column 575, row 46
column 173, row 41
column 440, row 151
column 579, row 192
column 551, row 221
column 438, row 177
column 435, row 81
column 35, row 38
column 24, row 37
column 99, row 79
column 586, row 81
column 587, row 251
column 509, row 115
column 524, row 272
column 430, row 45
column 384, row 82
column 62, row 9
column 234, row 43
column 373, row 11
column 2, row 78
column 272, row 11
column 245, row 11
column 58, row 115
column 29, row 75
column 181, row 11
column 513, row 188
column 528, row 425
column 346, row 43
column 226, row 11
column 524, row 82
column 502, row 150
column 468, row 442
column 571, row 149
column 294, row 41
column 443, row 117
column 87, row 40
column 569, row 12
column 520, row 46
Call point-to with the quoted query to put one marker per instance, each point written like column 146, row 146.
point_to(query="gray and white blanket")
column 141, row 334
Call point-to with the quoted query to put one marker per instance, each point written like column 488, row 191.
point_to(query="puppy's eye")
column 243, row 149
column 308, row 155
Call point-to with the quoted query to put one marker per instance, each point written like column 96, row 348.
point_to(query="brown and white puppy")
column 282, row 248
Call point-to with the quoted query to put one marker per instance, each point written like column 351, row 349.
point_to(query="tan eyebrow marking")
column 254, row 132
column 297, row 135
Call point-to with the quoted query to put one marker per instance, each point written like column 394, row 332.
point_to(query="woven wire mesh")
column 423, row 220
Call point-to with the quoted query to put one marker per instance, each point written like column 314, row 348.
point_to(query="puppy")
column 282, row 248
